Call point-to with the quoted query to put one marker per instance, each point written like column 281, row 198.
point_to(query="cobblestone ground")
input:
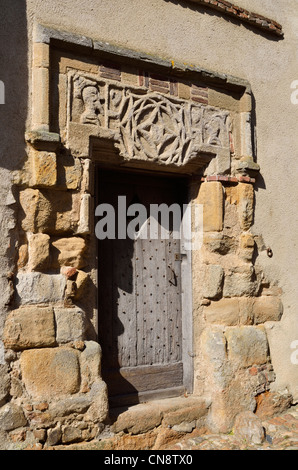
column 281, row 434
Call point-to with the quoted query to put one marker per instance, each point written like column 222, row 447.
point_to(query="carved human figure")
column 213, row 129
column 93, row 106
column 87, row 90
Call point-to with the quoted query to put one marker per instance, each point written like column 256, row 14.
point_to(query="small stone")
column 69, row 272
column 39, row 251
column 71, row 324
column 71, row 434
column 184, row 427
column 54, row 436
column 4, row 384
column 70, row 252
column 11, row 417
column 42, row 406
column 249, row 427
column 213, row 281
column 40, row 434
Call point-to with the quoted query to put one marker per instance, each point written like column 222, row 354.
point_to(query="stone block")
column 270, row 404
column 71, row 324
column 41, row 55
column 29, row 327
column 70, row 252
column 245, row 205
column 214, row 357
column 247, row 245
column 224, row 312
column 248, row 428
column 38, row 288
column 50, row 373
column 81, row 282
column 51, row 212
column 40, row 98
column 69, row 172
column 11, row 417
column 43, row 169
column 54, row 436
column 99, row 409
column 66, row 406
column 39, row 251
column 4, row 384
column 84, row 222
column 267, row 308
column 240, row 282
column 247, row 345
column 71, row 434
column 217, row 242
column 212, row 281
column 211, row 197
column 91, row 360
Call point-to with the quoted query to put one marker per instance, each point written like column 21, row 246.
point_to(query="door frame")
column 186, row 275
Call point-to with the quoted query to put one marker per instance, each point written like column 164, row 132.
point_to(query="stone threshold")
column 182, row 414
column 149, row 426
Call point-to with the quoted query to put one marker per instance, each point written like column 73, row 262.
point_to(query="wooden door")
column 140, row 310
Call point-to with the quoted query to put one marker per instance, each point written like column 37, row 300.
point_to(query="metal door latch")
column 173, row 279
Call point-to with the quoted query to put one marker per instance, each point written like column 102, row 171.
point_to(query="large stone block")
column 240, row 282
column 247, row 345
column 29, row 327
column 267, row 308
column 71, row 324
column 224, row 312
column 49, row 373
column 69, row 252
column 37, row 288
column 211, row 197
column 51, row 212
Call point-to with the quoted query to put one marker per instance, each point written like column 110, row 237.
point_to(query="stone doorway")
column 141, row 310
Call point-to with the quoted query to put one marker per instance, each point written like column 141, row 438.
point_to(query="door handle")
column 173, row 276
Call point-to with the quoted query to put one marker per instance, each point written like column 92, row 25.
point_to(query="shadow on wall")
column 194, row 6
column 14, row 75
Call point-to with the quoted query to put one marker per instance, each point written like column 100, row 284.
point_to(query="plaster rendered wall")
column 189, row 34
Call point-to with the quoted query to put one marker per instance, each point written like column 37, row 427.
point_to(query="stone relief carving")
column 152, row 126
column 87, row 90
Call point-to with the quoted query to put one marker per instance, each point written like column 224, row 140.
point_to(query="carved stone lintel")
column 151, row 127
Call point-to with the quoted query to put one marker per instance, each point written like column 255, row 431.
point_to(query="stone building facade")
column 96, row 96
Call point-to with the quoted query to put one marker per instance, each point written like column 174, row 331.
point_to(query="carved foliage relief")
column 149, row 125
